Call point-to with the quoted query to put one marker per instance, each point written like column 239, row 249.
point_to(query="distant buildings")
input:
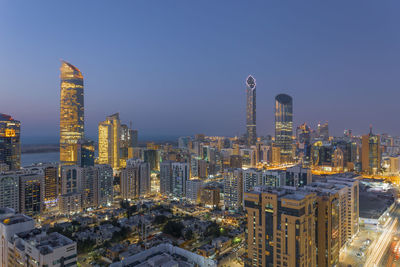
column 284, row 126
column 251, row 110
column 71, row 112
column 371, row 153
column 10, row 144
column 193, row 187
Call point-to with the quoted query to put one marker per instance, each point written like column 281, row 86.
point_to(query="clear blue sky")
column 179, row 67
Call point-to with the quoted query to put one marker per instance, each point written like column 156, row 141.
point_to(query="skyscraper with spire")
column 71, row 112
column 251, row 111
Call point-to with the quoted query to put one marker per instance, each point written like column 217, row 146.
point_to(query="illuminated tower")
column 10, row 146
column 371, row 153
column 251, row 110
column 71, row 112
column 109, row 141
column 284, row 125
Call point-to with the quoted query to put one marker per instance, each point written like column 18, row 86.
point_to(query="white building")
column 233, row 189
column 9, row 188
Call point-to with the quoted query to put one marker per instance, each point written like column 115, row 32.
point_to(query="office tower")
column 86, row 151
column 338, row 159
column 280, row 227
column 152, row 156
column 10, row 146
column 235, row 161
column 11, row 224
column 371, row 153
column 209, row 196
column 105, row 190
column 31, row 194
column 135, row 179
column 180, row 174
column 275, row 155
column 50, row 185
column 193, row 188
column 233, row 189
column 166, row 177
column 128, row 142
column 183, row 142
column 9, row 188
column 251, row 110
column 71, row 112
column 284, row 126
column 109, row 141
column 323, row 131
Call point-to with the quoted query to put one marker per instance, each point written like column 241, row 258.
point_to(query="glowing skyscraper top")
column 251, row 110
column 71, row 112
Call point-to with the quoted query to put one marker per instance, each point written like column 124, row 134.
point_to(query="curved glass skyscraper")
column 71, row 112
column 284, row 125
column 251, row 110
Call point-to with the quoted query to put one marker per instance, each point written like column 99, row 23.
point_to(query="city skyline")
column 332, row 81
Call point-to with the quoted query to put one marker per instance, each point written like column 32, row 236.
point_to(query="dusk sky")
column 179, row 67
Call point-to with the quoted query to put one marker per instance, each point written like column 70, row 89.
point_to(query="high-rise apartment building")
column 9, row 188
column 251, row 110
column 180, row 174
column 10, row 146
column 233, row 189
column 193, row 187
column 209, row 196
column 371, row 153
column 109, row 141
column 105, row 189
column 166, row 177
column 135, row 179
column 280, row 227
column 284, row 126
column 51, row 185
column 71, row 112
column 31, row 194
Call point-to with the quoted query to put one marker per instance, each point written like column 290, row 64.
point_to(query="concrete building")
column 31, row 194
column 193, row 188
column 70, row 203
column 165, row 255
column 135, row 179
column 36, row 248
column 233, row 189
column 9, row 188
column 281, row 227
column 209, row 196
column 371, row 153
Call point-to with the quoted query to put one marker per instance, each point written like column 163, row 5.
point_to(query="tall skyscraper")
column 86, row 150
column 371, row 153
column 109, row 141
column 284, row 125
column 10, row 148
column 71, row 112
column 251, row 110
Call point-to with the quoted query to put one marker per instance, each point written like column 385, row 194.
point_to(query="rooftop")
column 16, row 218
column 44, row 242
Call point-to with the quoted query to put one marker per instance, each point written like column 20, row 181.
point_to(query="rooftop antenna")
column 370, row 129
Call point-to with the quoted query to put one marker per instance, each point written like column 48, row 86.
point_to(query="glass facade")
column 10, row 146
column 109, row 141
column 284, row 125
column 71, row 112
column 251, row 110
